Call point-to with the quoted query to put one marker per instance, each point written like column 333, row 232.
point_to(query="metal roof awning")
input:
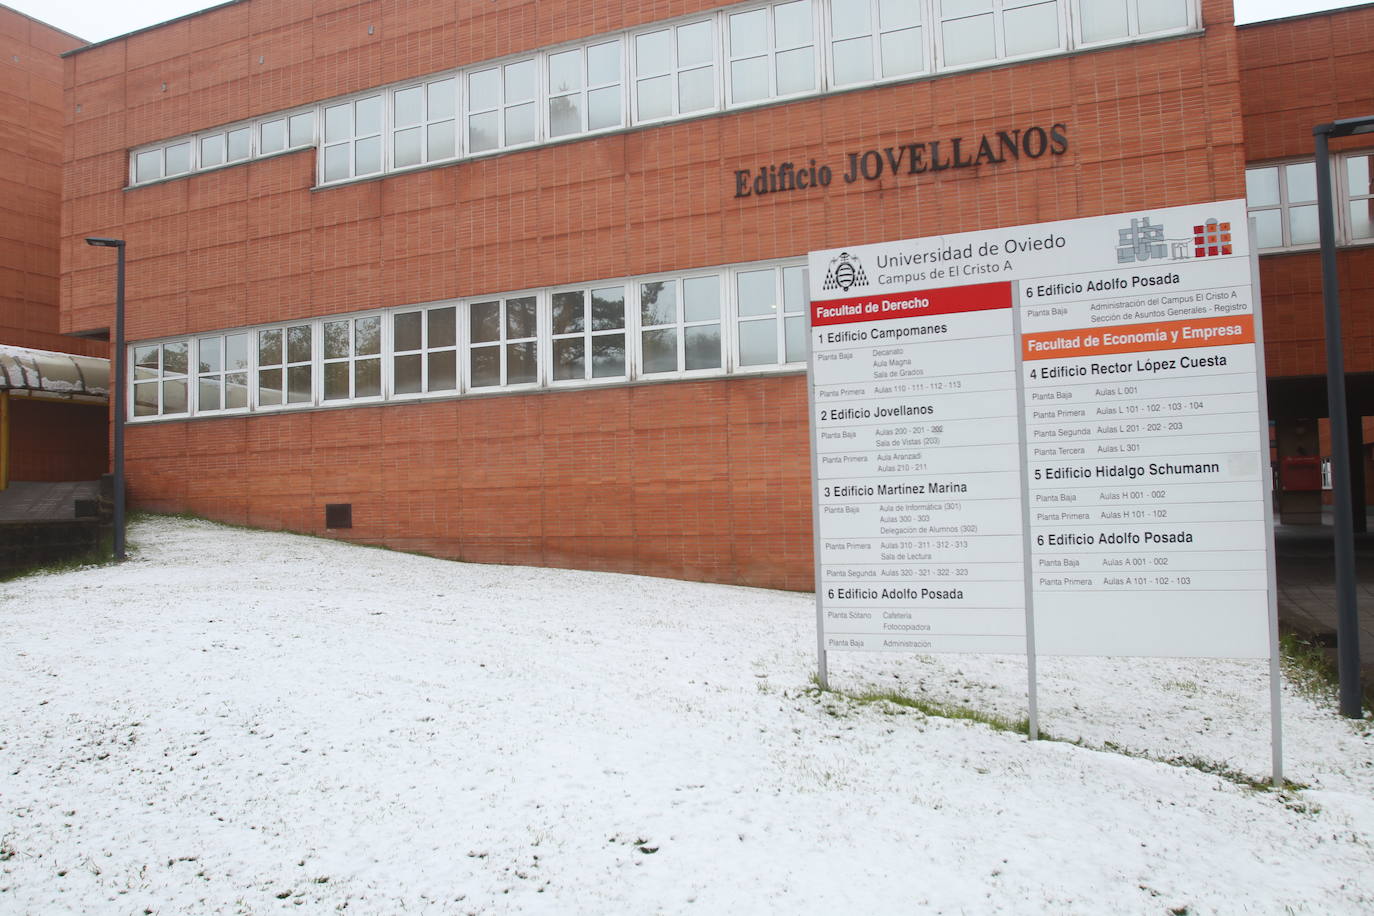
column 48, row 374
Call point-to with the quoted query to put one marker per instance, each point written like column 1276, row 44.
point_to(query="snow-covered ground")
column 248, row 722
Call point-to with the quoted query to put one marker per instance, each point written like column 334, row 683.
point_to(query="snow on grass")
column 249, row 722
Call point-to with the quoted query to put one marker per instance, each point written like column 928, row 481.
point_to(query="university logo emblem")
column 845, row 271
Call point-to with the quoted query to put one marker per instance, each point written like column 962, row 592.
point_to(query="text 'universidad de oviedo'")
column 907, row 159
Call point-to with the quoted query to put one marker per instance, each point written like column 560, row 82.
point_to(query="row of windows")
column 735, row 57
column 702, row 323
column 1282, row 198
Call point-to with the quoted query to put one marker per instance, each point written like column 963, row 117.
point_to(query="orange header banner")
column 1139, row 338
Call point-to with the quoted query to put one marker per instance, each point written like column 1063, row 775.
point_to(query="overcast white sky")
column 96, row 20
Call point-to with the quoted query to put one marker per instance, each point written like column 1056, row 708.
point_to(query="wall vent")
column 338, row 515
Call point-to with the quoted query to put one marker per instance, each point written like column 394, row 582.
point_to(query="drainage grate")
column 338, row 515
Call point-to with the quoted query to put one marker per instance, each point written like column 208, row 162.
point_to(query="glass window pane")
column 565, row 71
column 298, row 384
column 758, row 343
column 367, row 378
column 849, row 18
column 568, row 311
column 1159, row 15
column 1268, row 229
column 367, row 156
column 796, row 339
column 236, row 390
column 269, row 386
column 208, row 355
column 407, row 149
column 211, row 151
column 703, row 346
column 484, row 89
column 569, row 359
column 174, row 361
column 1357, row 176
column 1362, row 219
column 335, row 339
column 749, row 33
column 792, row 24
column 236, row 351
column 302, row 128
column 969, row 40
column 273, row 137
column 749, row 79
column 520, row 363
column 367, row 114
column 603, row 64
column 757, row 295
column 902, row 52
column 520, row 124
column 1031, row 28
column 1302, row 182
column 269, row 348
column 367, row 336
column 696, row 89
column 443, row 99
column 654, row 98
column 608, row 356
column 174, row 396
column 952, row 8
column 1262, row 187
column 483, row 132
column 335, row 381
column 485, row 320
column 148, row 165
column 657, row 303
column 208, row 394
column 1302, row 226
column 608, row 308
column 694, row 45
column 485, row 367
column 145, row 400
column 603, row 108
column 796, row 71
column 442, row 141
column 565, row 115
column 701, row 298
column 405, row 372
column 853, row 61
column 520, row 318
column 409, row 106
column 793, row 290
column 149, row 359
column 338, row 123
column 443, row 371
column 652, row 53
column 896, row 14
column 660, row 350
column 520, row 85
column 443, row 324
column 336, row 162
column 179, row 159
column 240, row 144
column 1103, row 19
column 298, row 343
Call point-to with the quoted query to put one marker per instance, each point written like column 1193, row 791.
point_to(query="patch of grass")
column 1307, row 666
column 930, row 708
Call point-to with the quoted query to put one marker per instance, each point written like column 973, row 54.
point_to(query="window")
column 680, row 324
column 353, row 138
column 222, row 373
column 160, row 379
column 224, row 147
column 286, row 132
column 875, row 39
column 353, row 358
column 501, row 106
column 1357, row 183
column 424, row 344
column 588, row 330
column 503, row 343
column 771, row 308
column 424, row 121
column 1108, row 20
column 163, row 162
column 1283, row 201
column 285, row 368
column 772, row 52
column 972, row 31
column 675, row 71
column 584, row 89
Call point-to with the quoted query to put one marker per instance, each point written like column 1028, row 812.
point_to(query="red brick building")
column 522, row 282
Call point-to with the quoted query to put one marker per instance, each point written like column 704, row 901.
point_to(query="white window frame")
column 999, row 10
column 779, row 317
column 681, row 324
column 1133, row 31
column 351, row 360
column 426, row 350
column 427, row 123
column 160, row 379
column 504, row 104
column 875, row 35
column 285, row 366
column 1284, row 206
column 547, row 95
column 503, row 341
column 221, row 375
column 675, row 69
column 770, row 53
column 588, row 335
column 1345, row 226
column 349, row 142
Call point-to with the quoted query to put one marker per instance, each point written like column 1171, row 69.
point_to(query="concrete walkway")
column 23, row 502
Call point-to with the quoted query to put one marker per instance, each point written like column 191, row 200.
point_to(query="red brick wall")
column 1295, row 74
column 31, row 184
column 57, row 440
column 702, row 480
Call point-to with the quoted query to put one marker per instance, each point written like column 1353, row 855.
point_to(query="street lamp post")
column 120, row 386
column 1347, row 618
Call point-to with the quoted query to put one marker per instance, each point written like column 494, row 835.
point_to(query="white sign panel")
column 1064, row 416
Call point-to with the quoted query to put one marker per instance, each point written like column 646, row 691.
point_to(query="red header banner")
column 950, row 300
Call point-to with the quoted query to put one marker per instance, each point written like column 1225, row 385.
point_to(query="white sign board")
column 1061, row 422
